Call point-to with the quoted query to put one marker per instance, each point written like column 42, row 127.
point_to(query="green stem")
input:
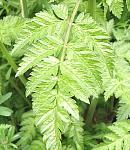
column 11, row 62
column 91, row 111
column 67, row 34
column 92, row 7
column 68, row 30
column 24, row 9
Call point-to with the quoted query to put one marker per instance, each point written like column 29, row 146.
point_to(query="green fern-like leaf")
column 116, row 6
column 120, row 83
column 123, row 111
column 7, row 136
column 36, row 144
column 28, row 130
column 65, row 64
column 117, row 138
column 35, row 29
column 10, row 28
column 58, row 8
column 30, row 137
column 75, row 135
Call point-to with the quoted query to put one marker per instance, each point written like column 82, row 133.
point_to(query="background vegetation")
column 64, row 74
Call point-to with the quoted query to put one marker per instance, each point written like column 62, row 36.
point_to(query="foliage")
column 4, row 111
column 10, row 28
column 74, row 62
column 123, row 111
column 7, row 136
column 30, row 138
column 117, row 138
column 54, row 64
column 116, row 6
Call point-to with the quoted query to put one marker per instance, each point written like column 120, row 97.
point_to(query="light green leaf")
column 53, row 80
column 118, row 137
column 123, row 111
column 5, row 97
column 70, row 106
column 61, row 11
column 4, row 111
column 7, row 133
column 109, row 2
column 116, row 6
column 10, row 28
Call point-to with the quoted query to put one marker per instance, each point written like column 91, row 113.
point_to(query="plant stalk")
column 69, row 29
column 91, row 111
column 24, row 9
column 66, row 39
column 92, row 7
column 11, row 62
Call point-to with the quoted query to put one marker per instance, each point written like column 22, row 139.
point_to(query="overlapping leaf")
column 116, row 6
column 117, row 138
column 54, row 81
column 10, row 28
column 120, row 83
